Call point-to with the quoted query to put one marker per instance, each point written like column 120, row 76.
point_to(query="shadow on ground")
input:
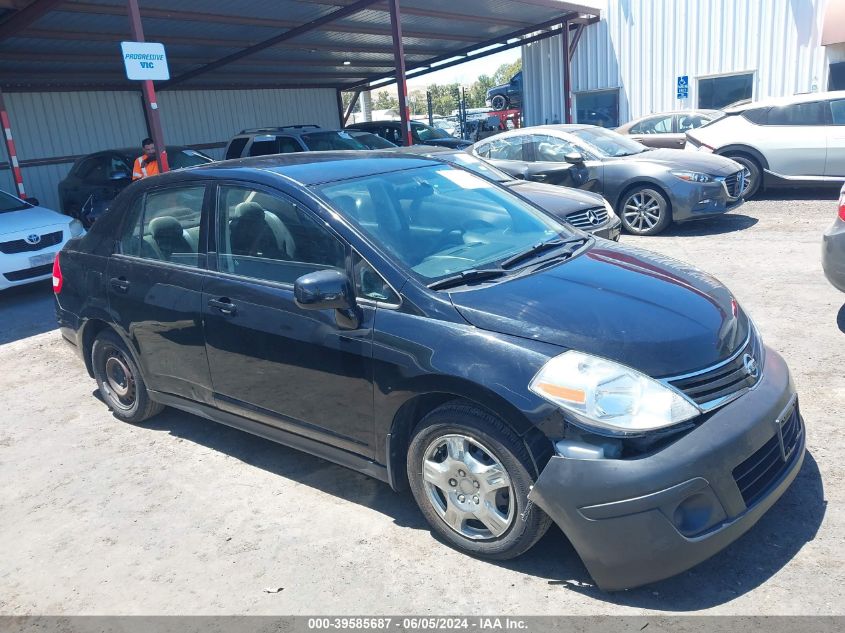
column 717, row 225
column 800, row 193
column 743, row 566
column 26, row 311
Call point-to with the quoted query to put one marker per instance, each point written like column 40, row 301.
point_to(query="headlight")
column 693, row 176
column 606, row 396
column 76, row 228
column 610, row 212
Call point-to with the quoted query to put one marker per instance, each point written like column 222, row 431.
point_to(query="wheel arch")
column 90, row 330
column 643, row 182
column 408, row 416
column 747, row 150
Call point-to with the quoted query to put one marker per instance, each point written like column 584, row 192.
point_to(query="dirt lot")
column 184, row 516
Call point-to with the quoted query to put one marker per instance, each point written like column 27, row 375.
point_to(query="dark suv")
column 409, row 319
column 420, row 132
column 507, row 95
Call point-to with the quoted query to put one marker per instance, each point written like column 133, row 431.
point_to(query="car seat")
column 169, row 238
column 257, row 233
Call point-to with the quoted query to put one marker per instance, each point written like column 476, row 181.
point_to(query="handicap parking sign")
column 683, row 87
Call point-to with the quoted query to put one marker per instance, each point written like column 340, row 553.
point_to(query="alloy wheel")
column 468, row 487
column 642, row 212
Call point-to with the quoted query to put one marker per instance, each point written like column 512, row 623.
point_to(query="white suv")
column 789, row 141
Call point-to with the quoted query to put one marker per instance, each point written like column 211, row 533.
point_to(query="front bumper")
column 610, row 231
column 691, row 201
column 637, row 521
column 833, row 254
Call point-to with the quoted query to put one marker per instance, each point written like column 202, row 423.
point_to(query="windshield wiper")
column 467, row 276
column 542, row 247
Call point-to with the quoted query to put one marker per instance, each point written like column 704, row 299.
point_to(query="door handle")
column 121, row 284
column 224, row 305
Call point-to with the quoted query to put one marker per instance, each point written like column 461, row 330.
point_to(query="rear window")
column 236, row 147
column 328, row 141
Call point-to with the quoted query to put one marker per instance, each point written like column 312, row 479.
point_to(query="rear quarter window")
column 236, row 147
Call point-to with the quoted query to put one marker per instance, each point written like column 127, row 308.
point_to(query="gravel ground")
column 183, row 516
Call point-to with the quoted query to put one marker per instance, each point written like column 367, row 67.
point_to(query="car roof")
column 312, row 168
column 779, row 101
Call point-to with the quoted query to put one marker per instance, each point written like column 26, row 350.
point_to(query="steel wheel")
column 119, row 379
column 645, row 212
column 468, row 487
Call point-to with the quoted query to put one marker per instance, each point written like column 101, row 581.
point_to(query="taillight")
column 842, row 206
column 57, row 274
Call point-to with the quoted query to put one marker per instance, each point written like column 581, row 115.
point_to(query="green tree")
column 477, row 93
column 505, row 72
column 385, row 101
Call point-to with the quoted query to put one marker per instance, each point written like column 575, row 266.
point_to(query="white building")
column 631, row 62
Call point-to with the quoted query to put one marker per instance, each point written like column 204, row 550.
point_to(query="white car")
column 789, row 141
column 30, row 237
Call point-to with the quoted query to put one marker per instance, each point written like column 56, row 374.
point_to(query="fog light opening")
column 694, row 514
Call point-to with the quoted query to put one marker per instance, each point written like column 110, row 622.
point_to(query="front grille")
column 714, row 386
column 29, row 273
column 734, row 184
column 22, row 246
column 759, row 473
column 588, row 219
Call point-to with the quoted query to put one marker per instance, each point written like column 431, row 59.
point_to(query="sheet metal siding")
column 56, row 124
column 642, row 46
column 210, row 116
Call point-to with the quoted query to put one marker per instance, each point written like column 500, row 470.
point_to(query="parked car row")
column 412, row 315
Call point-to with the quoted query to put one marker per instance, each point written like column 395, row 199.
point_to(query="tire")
column 121, row 384
column 499, row 102
column 753, row 173
column 644, row 210
column 459, row 438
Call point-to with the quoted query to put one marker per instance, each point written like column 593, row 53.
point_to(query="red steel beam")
column 6, row 126
column 567, row 75
column 25, row 17
column 150, row 102
column 401, row 83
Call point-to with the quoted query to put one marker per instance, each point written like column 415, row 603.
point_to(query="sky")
column 464, row 74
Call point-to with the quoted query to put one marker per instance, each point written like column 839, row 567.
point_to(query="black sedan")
column 96, row 179
column 420, row 132
column 648, row 188
column 511, row 371
column 582, row 209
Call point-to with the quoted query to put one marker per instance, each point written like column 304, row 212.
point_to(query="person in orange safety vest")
column 147, row 163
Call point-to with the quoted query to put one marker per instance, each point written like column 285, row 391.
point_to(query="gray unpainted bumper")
column 833, row 254
column 618, row 514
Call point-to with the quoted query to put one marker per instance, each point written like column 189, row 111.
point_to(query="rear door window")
column 837, row 112
column 264, row 146
column 798, row 114
column 551, row 149
column 512, row 148
column 654, row 125
column 288, row 145
column 165, row 225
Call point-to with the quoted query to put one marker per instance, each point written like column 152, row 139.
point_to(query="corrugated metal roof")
column 76, row 45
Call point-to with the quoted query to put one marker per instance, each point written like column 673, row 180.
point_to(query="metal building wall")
column 53, row 125
column 642, row 46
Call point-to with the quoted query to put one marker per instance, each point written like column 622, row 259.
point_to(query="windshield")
column 440, row 221
column 474, row 164
column 11, row 203
column 372, row 141
column 329, row 141
column 608, row 143
column 426, row 133
column 187, row 158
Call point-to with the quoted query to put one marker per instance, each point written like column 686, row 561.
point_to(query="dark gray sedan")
column 648, row 188
column 833, row 248
column 582, row 209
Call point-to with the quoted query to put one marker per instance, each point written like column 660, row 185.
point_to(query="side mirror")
column 574, row 158
column 33, row 201
column 120, row 174
column 324, row 290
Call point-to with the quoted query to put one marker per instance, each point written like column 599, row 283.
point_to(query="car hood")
column 29, row 219
column 694, row 161
column 557, row 199
column 649, row 312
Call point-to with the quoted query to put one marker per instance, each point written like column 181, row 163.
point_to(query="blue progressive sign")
column 145, row 61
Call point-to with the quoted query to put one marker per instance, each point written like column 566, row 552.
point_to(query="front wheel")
column 470, row 476
column 645, row 211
